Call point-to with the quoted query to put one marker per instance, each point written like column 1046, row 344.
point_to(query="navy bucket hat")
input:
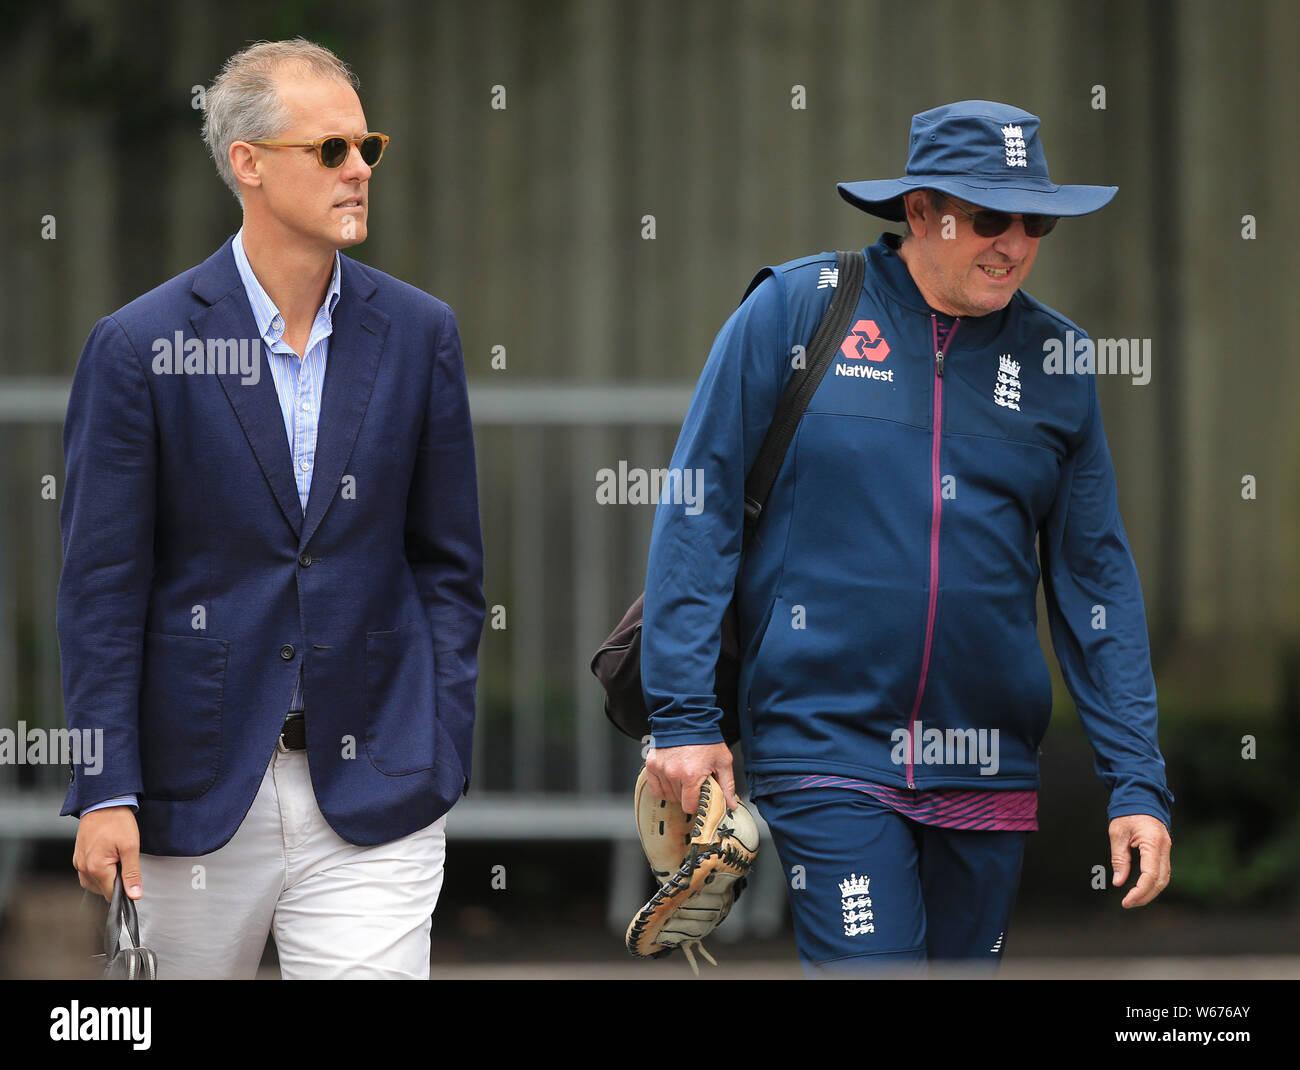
column 978, row 151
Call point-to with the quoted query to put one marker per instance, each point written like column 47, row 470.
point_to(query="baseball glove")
column 700, row 861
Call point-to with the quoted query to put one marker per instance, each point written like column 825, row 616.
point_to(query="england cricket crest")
column 1006, row 391
column 855, row 905
column 1013, row 143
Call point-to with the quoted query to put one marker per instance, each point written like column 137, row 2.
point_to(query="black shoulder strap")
column 803, row 384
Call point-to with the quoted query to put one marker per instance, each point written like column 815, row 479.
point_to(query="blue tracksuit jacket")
column 891, row 581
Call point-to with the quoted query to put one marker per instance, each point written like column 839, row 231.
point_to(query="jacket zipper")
column 936, row 510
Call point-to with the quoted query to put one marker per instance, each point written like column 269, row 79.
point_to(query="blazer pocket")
column 182, row 687
column 449, row 776
column 401, row 706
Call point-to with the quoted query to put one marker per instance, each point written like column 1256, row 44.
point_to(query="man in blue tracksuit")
column 893, row 693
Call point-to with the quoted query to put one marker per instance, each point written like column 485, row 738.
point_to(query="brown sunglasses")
column 332, row 149
column 989, row 224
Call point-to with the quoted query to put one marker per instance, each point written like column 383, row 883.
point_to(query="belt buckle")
column 280, row 740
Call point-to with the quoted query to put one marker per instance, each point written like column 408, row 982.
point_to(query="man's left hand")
column 1149, row 835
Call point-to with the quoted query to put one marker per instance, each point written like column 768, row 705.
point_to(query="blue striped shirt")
column 298, row 380
column 299, row 383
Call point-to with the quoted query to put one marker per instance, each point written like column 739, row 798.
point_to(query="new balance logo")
column 828, row 277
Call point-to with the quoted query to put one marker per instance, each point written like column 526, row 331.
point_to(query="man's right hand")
column 677, row 772
column 104, row 838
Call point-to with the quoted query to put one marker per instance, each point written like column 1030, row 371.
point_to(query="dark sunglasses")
column 989, row 224
column 332, row 149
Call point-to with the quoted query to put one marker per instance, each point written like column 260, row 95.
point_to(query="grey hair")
column 243, row 104
column 937, row 199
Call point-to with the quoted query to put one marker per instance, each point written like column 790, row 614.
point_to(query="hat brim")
column 884, row 198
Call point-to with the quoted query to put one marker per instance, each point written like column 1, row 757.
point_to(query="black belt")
column 293, row 736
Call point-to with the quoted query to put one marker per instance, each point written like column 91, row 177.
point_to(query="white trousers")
column 337, row 910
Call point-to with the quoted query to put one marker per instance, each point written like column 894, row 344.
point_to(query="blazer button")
column 286, row 652
column 304, row 560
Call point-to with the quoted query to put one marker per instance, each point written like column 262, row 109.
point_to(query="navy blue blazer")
column 193, row 586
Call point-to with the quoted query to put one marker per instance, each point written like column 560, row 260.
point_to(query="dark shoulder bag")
column 617, row 664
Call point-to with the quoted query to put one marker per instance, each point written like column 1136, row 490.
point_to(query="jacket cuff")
column 661, row 739
column 1140, row 802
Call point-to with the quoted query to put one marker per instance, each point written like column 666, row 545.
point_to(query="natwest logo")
column 865, row 340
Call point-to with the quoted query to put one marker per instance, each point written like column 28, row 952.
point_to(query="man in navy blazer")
column 271, row 598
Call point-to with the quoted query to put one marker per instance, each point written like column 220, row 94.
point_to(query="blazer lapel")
column 356, row 343
column 228, row 315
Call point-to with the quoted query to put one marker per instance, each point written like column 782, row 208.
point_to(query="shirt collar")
column 265, row 313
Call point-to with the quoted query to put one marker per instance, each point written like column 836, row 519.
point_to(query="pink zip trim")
column 936, row 510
